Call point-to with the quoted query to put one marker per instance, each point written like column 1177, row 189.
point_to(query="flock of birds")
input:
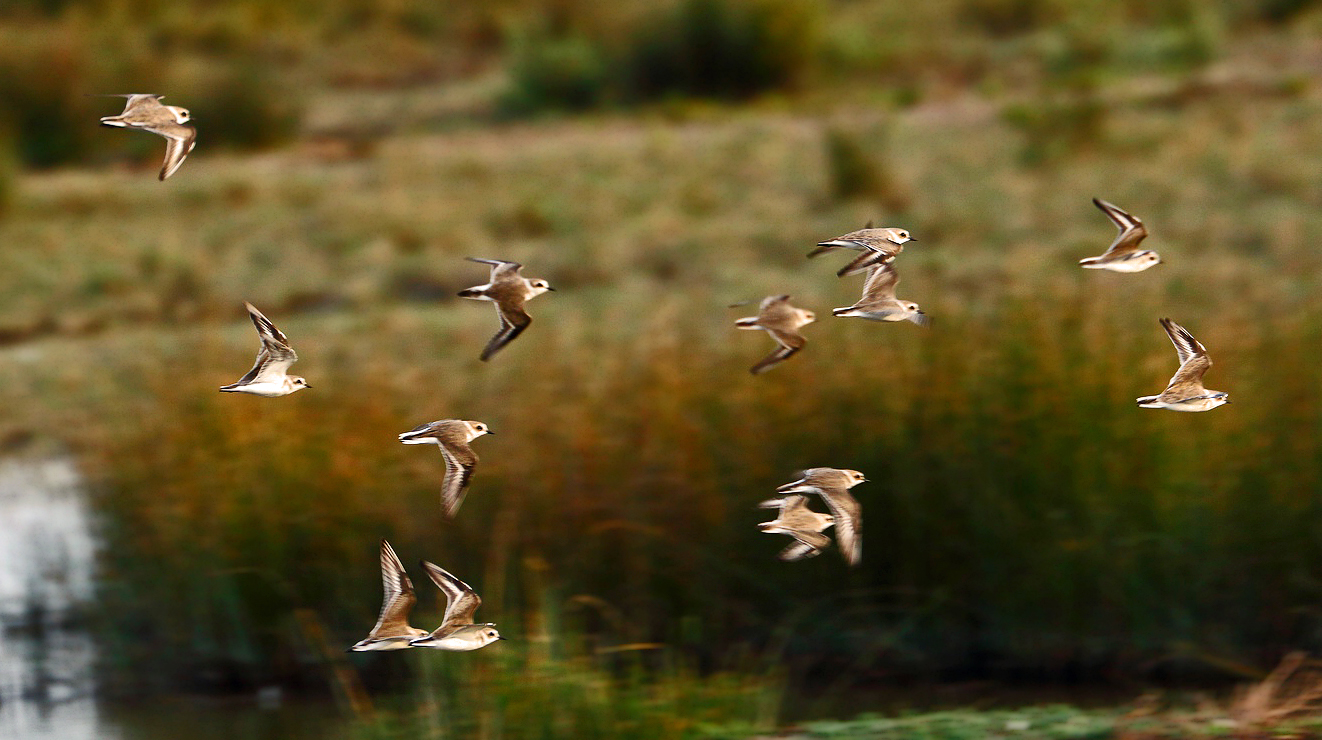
column 510, row 291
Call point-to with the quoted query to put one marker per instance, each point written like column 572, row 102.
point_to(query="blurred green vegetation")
column 526, row 692
column 248, row 68
column 1024, row 519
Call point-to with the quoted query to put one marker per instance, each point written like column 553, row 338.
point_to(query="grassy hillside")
column 1023, row 518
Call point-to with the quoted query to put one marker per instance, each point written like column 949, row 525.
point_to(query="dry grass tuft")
column 1293, row 689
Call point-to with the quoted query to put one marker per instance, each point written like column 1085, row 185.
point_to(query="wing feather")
column 460, row 461
column 460, row 598
column 1131, row 229
column 848, row 522
column 398, row 596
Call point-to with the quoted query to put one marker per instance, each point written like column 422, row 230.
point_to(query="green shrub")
column 556, row 74
column 857, row 173
column 720, row 49
column 245, row 106
column 44, row 79
column 724, row 49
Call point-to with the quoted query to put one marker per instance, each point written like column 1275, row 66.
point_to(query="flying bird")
column 800, row 522
column 509, row 291
column 833, row 486
column 782, row 321
column 1123, row 255
column 392, row 630
column 878, row 246
column 1185, row 392
column 457, row 630
column 878, row 302
column 452, row 436
column 268, row 377
column 146, row 112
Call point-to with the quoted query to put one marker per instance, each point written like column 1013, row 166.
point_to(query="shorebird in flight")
column 879, row 303
column 833, row 486
column 782, row 321
column 146, row 112
column 1123, row 255
column 798, row 521
column 1185, row 392
column 878, row 246
column 457, row 630
column 392, row 630
column 452, row 436
column 268, row 377
column 509, row 291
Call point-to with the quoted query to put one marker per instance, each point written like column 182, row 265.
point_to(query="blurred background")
column 177, row 560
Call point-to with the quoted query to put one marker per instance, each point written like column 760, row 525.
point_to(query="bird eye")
column 904, row 235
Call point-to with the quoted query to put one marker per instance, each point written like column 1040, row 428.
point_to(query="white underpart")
column 1121, row 266
column 268, row 389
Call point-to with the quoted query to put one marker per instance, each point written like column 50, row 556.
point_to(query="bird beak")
column 490, row 432
column 502, row 638
column 913, row 238
column 550, row 288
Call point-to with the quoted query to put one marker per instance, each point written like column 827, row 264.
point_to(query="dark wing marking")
column 398, row 597
column 870, row 257
column 790, row 343
column 180, row 140
column 416, row 431
column 513, row 320
column 1187, row 381
column 275, row 356
column 824, row 247
column 880, row 285
column 1132, row 231
column 1185, row 345
column 460, row 461
column 461, row 600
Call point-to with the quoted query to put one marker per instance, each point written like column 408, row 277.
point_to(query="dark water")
column 47, row 690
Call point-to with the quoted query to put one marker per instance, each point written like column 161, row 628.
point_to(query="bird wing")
column 513, row 320
column 815, row 540
column 784, row 503
column 499, row 268
column 275, row 356
column 461, row 601
column 179, row 141
column 1132, row 230
column 138, row 102
column 1186, row 346
column 871, row 256
column 799, row 551
column 1187, row 382
column 460, row 461
column 841, row 243
column 880, row 285
column 848, row 522
column 790, row 343
column 398, row 599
